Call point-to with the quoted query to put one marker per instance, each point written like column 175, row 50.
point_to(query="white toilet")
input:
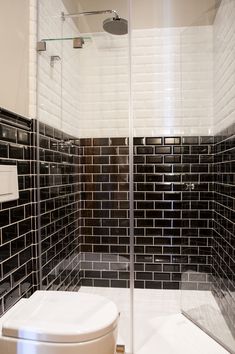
column 52, row 322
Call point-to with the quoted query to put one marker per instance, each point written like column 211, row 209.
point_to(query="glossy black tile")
column 101, row 141
column 163, row 149
column 145, row 150
column 118, row 141
column 172, row 141
column 139, row 141
column 3, row 150
column 154, row 141
column 8, row 133
column 190, row 140
column 153, row 159
column 164, row 211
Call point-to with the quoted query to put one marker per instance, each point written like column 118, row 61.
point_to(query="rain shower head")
column 116, row 25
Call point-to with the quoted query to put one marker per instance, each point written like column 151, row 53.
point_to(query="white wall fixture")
column 9, row 189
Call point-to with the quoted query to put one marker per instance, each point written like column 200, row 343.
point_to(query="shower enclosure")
column 135, row 179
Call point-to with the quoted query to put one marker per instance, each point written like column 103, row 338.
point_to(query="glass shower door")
column 84, row 154
column 173, row 77
column 206, row 287
column 96, row 78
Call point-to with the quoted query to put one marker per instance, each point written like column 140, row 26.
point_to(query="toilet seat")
column 61, row 317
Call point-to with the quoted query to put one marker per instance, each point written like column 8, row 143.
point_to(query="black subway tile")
column 163, row 205
column 3, row 150
column 4, row 218
column 172, row 141
column 118, row 141
column 17, row 214
column 154, row 141
column 139, row 141
column 100, row 141
column 181, row 150
column 163, row 150
column 145, row 150
column 154, row 159
column 10, row 265
column 190, row 140
column 172, row 159
column 23, row 137
column 8, row 133
column 163, row 168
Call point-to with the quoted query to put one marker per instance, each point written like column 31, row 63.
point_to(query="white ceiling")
column 147, row 13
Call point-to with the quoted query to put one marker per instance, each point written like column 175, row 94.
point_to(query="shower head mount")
column 114, row 25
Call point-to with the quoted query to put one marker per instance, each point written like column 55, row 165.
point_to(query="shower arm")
column 88, row 13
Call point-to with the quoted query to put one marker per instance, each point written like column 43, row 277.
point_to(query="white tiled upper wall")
column 103, row 93
column 172, row 74
column 172, row 83
column 224, row 66
column 174, row 69
column 58, row 84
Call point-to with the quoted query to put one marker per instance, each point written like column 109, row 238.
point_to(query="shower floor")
column 159, row 326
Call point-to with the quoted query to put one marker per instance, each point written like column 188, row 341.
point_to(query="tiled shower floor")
column 159, row 326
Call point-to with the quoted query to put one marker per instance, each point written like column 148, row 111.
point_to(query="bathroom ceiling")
column 147, row 13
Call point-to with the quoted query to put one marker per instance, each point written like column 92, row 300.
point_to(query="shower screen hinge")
column 54, row 58
column 78, row 42
column 120, row 348
column 41, row 46
column 62, row 16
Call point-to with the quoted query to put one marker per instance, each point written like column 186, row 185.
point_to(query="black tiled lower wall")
column 172, row 205
column 51, row 175
column 17, row 238
column 183, row 213
column 59, row 220
column 173, row 227
column 105, row 212
column 223, row 260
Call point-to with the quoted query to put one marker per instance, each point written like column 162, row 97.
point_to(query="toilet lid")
column 62, row 317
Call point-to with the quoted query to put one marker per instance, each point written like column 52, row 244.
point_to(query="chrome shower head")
column 116, row 25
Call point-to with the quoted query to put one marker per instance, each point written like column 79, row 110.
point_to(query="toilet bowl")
column 52, row 322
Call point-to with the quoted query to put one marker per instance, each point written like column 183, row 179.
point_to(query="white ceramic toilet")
column 52, row 322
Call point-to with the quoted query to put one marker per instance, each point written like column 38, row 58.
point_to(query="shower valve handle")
column 189, row 186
